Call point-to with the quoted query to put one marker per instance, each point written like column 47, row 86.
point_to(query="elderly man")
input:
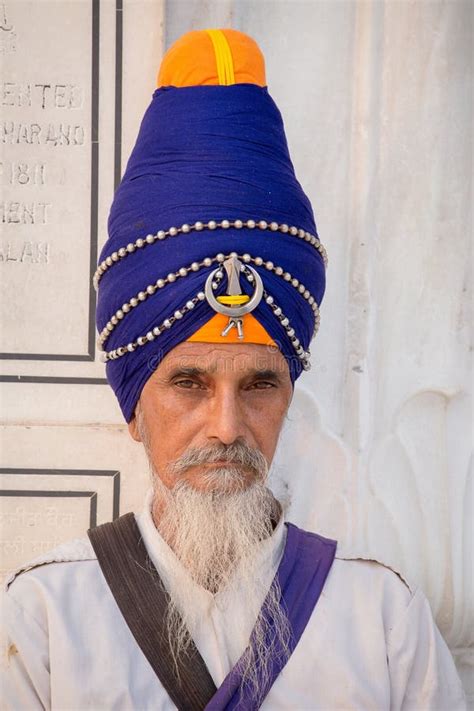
column 208, row 296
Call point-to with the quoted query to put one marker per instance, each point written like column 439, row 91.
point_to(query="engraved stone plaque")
column 49, row 178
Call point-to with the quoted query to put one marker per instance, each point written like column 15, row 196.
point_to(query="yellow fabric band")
column 224, row 62
column 235, row 299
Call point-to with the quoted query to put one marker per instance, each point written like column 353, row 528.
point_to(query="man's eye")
column 263, row 385
column 187, row 384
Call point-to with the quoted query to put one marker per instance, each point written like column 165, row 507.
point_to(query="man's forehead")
column 215, row 358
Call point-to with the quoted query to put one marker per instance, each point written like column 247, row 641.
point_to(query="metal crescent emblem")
column 235, row 303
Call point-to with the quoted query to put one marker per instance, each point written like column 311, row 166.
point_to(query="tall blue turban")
column 210, row 175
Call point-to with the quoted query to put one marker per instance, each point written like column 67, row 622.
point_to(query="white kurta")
column 371, row 642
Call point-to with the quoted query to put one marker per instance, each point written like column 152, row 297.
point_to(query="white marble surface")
column 376, row 98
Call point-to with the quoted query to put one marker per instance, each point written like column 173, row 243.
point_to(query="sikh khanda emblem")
column 234, row 303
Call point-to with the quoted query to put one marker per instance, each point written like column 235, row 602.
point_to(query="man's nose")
column 225, row 418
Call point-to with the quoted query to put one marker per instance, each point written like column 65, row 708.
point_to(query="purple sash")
column 304, row 567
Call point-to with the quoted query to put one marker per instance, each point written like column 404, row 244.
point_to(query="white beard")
column 215, row 535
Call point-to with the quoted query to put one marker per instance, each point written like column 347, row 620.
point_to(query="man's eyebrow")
column 193, row 370
column 189, row 370
column 266, row 374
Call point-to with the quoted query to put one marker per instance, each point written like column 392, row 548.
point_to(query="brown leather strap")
column 143, row 602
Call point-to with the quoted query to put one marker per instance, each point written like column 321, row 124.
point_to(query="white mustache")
column 237, row 453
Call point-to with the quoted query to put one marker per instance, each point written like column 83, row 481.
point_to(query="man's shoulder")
column 365, row 577
column 75, row 551
column 366, row 566
column 355, row 565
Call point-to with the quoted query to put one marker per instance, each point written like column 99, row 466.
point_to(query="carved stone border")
column 67, row 472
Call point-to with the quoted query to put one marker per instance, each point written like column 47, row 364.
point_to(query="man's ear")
column 133, row 427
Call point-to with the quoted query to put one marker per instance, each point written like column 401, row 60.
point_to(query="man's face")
column 205, row 395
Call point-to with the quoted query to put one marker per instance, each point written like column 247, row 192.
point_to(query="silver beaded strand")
column 149, row 291
column 167, row 323
column 304, row 356
column 196, row 266
column 295, row 283
column 141, row 242
column 155, row 332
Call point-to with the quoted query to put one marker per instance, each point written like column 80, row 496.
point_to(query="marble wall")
column 377, row 102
